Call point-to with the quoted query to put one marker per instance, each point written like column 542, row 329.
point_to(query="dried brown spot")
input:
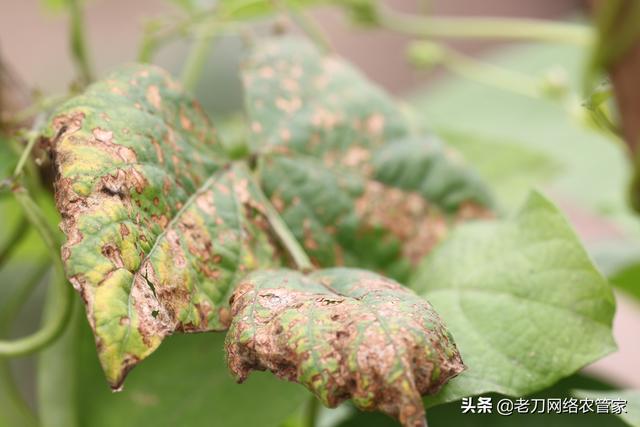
column 375, row 124
column 153, row 96
column 406, row 215
column 68, row 123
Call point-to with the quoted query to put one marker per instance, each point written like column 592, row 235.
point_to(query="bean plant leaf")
column 437, row 173
column 329, row 133
column 624, row 403
column 522, row 298
column 342, row 333
column 299, row 101
column 157, row 230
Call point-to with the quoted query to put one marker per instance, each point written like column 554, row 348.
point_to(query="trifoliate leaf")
column 342, row 333
column 157, row 231
column 523, row 299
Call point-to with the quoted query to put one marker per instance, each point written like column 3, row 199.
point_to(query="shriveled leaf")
column 333, row 171
column 342, row 333
column 522, row 298
column 157, row 231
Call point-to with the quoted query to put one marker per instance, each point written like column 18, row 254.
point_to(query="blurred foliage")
column 508, row 168
column 589, row 169
column 632, row 413
column 197, row 388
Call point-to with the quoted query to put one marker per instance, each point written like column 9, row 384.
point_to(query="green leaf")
column 522, row 298
column 627, row 279
column 509, row 169
column 185, row 383
column 337, row 148
column 631, row 398
column 157, row 231
column 540, row 125
column 342, row 333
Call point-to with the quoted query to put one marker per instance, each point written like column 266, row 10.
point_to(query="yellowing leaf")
column 157, row 231
column 342, row 333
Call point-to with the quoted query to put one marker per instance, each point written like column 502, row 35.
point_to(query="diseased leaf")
column 157, row 231
column 437, row 173
column 342, row 333
column 522, row 298
column 299, row 101
column 451, row 415
column 332, row 171
column 324, row 208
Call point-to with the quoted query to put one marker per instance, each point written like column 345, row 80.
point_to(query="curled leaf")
column 342, row 333
column 157, row 230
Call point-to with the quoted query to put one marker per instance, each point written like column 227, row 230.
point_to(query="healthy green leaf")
column 627, row 279
column 522, row 298
column 631, row 411
column 509, row 169
column 331, row 134
column 342, row 333
column 185, row 383
column 157, row 231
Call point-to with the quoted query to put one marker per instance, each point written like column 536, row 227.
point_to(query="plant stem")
column 280, row 228
column 485, row 28
column 19, row 231
column 77, row 40
column 56, row 380
column 14, row 410
column 198, row 55
column 34, row 134
column 492, row 75
column 153, row 38
column 311, row 412
column 311, row 29
column 56, row 326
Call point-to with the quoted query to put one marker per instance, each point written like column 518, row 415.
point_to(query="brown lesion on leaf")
column 112, row 253
column 379, row 345
column 406, row 215
column 67, row 123
column 153, row 96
